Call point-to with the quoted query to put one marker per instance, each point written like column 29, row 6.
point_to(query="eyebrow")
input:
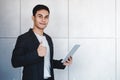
column 42, row 15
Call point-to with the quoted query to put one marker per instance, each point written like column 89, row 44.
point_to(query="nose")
column 43, row 19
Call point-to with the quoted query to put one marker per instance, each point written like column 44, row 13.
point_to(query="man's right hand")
column 41, row 50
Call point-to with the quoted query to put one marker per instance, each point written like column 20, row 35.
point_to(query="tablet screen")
column 71, row 52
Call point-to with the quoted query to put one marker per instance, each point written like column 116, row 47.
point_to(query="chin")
column 42, row 28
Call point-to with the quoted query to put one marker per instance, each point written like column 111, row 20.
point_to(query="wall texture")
column 94, row 24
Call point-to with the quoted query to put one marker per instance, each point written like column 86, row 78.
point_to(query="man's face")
column 41, row 19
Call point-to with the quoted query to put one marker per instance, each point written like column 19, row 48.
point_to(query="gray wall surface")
column 94, row 24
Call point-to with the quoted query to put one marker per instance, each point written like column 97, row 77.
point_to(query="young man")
column 34, row 49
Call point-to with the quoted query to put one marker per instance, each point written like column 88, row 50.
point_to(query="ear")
column 33, row 18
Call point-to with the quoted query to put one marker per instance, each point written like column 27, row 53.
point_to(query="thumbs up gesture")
column 41, row 50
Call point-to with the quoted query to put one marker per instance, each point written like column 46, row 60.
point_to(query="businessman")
column 34, row 49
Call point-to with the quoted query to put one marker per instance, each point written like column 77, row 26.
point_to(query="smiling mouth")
column 42, row 23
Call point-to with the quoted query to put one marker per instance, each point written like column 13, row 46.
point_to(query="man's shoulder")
column 26, row 34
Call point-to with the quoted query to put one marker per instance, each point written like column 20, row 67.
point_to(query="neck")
column 38, row 31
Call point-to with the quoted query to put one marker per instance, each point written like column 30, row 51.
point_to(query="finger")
column 67, row 61
column 70, row 58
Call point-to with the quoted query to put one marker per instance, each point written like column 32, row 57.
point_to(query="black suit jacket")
column 25, row 55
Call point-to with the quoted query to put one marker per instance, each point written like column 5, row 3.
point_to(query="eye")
column 40, row 16
column 46, row 17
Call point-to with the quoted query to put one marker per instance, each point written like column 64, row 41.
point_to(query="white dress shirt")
column 47, row 56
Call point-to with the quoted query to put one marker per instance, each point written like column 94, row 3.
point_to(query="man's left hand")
column 68, row 62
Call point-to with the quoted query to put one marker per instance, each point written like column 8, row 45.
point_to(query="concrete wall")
column 94, row 24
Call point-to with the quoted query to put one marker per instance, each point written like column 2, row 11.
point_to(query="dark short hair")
column 40, row 7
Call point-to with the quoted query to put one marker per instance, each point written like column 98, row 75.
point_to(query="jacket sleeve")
column 21, row 57
column 58, row 64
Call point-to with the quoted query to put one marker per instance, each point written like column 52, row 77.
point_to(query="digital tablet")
column 71, row 52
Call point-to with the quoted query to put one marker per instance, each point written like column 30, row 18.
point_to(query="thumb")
column 41, row 43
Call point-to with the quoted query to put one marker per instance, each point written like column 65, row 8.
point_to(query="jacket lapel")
column 34, row 38
column 50, row 45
